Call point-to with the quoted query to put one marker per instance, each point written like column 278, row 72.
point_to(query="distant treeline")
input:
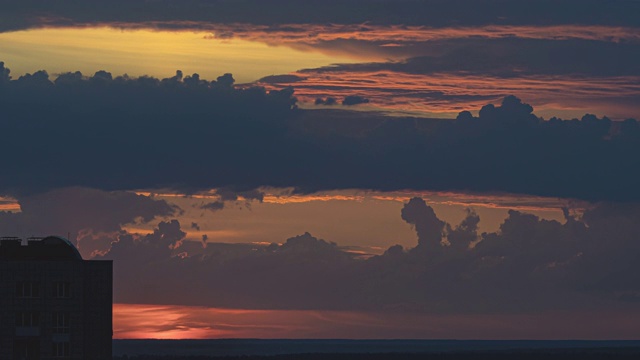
column 559, row 354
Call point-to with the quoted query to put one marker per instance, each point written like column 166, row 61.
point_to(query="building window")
column 61, row 289
column 60, row 323
column 60, row 350
column 26, row 348
column 27, row 319
column 27, row 289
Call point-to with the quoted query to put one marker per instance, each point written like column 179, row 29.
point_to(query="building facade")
column 53, row 304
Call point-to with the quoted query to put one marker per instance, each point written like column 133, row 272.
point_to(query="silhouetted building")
column 53, row 304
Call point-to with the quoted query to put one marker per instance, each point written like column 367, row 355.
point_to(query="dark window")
column 27, row 319
column 27, row 289
column 60, row 350
column 60, row 323
column 61, row 289
column 28, row 348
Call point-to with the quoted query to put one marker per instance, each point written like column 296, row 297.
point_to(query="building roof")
column 48, row 248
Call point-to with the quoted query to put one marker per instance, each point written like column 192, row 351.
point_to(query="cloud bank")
column 529, row 265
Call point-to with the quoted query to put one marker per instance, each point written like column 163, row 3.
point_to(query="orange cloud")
column 9, row 204
column 447, row 94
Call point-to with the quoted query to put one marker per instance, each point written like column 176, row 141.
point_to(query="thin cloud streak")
column 383, row 35
column 397, row 35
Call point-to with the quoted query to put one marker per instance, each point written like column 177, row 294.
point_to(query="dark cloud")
column 213, row 206
column 505, row 57
column 529, row 264
column 435, row 13
column 354, row 100
column 229, row 195
column 91, row 123
column 190, row 134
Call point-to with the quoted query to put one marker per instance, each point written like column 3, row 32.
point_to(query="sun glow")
column 148, row 52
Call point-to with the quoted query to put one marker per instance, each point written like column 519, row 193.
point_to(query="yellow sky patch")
column 149, row 52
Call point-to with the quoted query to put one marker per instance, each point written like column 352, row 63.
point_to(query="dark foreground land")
column 578, row 354
column 372, row 350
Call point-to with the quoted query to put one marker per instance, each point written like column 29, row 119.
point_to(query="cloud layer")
column 435, row 13
column 190, row 134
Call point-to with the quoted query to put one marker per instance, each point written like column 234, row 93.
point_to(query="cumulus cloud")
column 428, row 227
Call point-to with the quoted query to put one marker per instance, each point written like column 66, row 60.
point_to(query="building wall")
column 73, row 303
column 98, row 299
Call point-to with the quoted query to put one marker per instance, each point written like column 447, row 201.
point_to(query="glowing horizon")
column 139, row 321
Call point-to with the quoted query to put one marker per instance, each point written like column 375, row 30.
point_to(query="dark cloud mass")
column 503, row 57
column 529, row 264
column 190, row 134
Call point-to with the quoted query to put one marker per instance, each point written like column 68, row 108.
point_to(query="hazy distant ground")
column 372, row 349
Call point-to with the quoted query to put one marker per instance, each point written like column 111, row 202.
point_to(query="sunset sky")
column 340, row 169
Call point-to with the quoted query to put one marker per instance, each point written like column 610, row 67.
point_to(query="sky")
column 361, row 169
